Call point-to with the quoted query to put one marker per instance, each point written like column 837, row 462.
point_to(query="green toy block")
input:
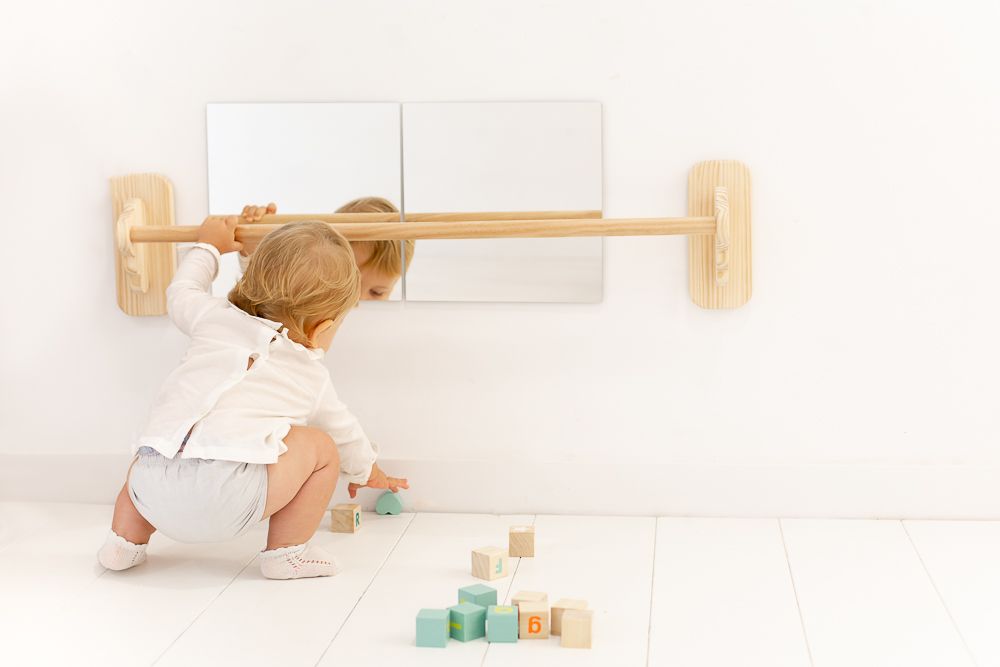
column 468, row 621
column 389, row 503
column 480, row 594
column 432, row 627
column 501, row 624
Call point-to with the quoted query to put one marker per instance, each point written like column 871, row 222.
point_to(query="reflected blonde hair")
column 300, row 275
column 385, row 257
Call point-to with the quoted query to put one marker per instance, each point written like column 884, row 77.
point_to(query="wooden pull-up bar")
column 465, row 229
column 718, row 224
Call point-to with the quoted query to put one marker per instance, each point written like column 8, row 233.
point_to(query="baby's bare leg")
column 299, row 486
column 127, row 522
column 125, row 546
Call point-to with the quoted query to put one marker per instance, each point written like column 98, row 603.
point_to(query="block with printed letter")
column 345, row 518
column 521, row 542
column 480, row 594
column 433, row 627
column 577, row 625
column 559, row 608
column 489, row 563
column 468, row 621
column 533, row 619
column 501, row 624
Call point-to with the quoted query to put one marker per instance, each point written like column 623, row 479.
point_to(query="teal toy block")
column 501, row 624
column 389, row 503
column 480, row 594
column 468, row 621
column 433, row 627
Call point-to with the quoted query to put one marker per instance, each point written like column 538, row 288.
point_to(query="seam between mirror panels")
column 402, row 210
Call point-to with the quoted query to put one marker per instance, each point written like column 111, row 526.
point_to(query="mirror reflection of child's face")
column 375, row 285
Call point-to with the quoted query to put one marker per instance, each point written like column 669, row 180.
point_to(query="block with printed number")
column 480, row 594
column 345, row 518
column 577, row 625
column 501, row 624
column 468, row 621
column 489, row 563
column 433, row 627
column 521, row 542
column 533, row 620
column 559, row 608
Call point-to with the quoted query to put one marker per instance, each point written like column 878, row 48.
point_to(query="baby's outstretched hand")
column 220, row 232
column 379, row 480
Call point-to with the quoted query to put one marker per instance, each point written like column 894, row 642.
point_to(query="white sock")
column 301, row 560
column 120, row 554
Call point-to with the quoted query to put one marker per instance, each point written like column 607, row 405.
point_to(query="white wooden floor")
column 665, row 592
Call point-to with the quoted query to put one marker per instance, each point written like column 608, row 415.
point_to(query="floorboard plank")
column 724, row 578
column 962, row 559
column 261, row 622
column 865, row 598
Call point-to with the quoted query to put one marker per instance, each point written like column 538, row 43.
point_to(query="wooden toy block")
column 468, row 621
column 529, row 596
column 345, row 518
column 480, row 594
column 489, row 563
column 533, row 619
column 559, row 608
column 433, row 627
column 521, row 542
column 389, row 503
column 576, row 628
column 501, row 624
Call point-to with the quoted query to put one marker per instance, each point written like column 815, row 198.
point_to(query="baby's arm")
column 189, row 292
column 357, row 453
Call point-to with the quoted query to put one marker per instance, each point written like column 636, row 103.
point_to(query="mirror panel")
column 308, row 158
column 531, row 156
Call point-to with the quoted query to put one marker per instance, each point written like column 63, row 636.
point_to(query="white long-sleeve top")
column 237, row 413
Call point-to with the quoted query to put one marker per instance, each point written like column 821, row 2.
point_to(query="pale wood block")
column 521, row 542
column 577, row 625
column 529, row 596
column 345, row 518
column 559, row 608
column 533, row 619
column 490, row 563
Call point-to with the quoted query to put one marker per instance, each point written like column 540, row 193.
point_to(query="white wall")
column 870, row 342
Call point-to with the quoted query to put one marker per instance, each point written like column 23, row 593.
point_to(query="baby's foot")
column 120, row 554
column 302, row 560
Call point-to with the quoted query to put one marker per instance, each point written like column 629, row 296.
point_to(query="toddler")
column 248, row 426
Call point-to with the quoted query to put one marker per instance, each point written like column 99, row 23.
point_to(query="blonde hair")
column 385, row 257
column 300, row 275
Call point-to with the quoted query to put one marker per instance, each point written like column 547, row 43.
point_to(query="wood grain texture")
column 521, row 542
column 154, row 266
column 468, row 229
column 282, row 218
column 704, row 287
column 345, row 518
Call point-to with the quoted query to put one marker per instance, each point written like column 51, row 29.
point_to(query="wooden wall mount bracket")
column 142, row 270
column 719, row 264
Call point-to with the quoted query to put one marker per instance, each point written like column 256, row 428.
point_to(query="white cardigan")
column 241, row 414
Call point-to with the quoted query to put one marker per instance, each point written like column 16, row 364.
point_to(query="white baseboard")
column 832, row 490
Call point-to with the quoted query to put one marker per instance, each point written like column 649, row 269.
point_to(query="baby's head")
column 380, row 261
column 303, row 275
